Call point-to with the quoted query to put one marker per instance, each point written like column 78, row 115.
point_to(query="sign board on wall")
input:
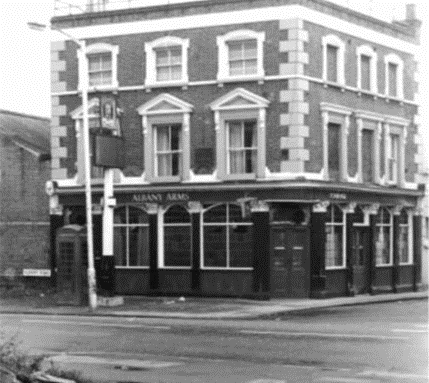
column 36, row 272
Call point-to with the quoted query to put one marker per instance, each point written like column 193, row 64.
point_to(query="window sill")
column 334, row 268
column 387, row 265
column 239, row 177
column 222, row 80
column 338, row 85
column 105, row 88
column 175, row 268
column 132, row 267
column 406, row 264
column 166, row 84
column 366, row 92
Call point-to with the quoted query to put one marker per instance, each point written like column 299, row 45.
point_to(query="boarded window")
column 365, row 70
column 332, row 57
column 334, row 151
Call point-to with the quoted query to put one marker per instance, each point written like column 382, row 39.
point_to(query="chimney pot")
column 411, row 12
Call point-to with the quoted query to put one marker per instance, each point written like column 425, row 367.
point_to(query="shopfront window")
column 177, row 237
column 227, row 237
column 384, row 238
column 404, row 239
column 131, row 237
column 335, row 239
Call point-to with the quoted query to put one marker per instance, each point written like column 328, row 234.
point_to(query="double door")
column 290, row 262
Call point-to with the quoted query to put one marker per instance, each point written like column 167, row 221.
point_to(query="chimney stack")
column 411, row 12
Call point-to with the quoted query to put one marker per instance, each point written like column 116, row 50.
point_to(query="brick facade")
column 24, row 211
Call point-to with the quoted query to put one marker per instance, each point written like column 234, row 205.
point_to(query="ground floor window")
column 404, row 238
column 177, row 237
column 383, row 243
column 131, row 237
column 335, row 238
column 227, row 237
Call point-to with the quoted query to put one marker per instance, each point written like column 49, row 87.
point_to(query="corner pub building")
column 270, row 147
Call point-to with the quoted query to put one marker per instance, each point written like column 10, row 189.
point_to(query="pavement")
column 199, row 308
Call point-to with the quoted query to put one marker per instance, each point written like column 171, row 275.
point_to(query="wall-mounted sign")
column 338, row 196
column 160, row 197
column 36, row 272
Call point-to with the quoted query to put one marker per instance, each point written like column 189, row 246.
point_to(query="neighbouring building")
column 24, row 212
column 270, row 146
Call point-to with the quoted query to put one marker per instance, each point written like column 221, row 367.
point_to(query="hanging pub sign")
column 110, row 114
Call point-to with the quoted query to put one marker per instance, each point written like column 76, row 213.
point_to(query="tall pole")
column 83, row 75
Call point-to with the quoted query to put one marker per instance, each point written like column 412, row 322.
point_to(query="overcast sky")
column 25, row 54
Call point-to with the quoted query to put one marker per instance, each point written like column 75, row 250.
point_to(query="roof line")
column 18, row 114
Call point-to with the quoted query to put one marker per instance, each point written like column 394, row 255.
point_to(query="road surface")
column 358, row 344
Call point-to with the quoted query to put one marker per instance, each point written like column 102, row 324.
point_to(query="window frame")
column 250, row 107
column 223, row 74
column 396, row 60
column 393, row 179
column 165, row 109
column 343, row 224
column 166, row 42
column 227, row 224
column 382, row 225
column 157, row 153
column 128, row 225
column 243, row 149
column 101, row 48
column 365, row 50
column 161, row 237
column 410, row 246
column 334, row 41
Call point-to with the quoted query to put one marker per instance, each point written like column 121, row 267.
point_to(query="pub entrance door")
column 360, row 259
column 290, row 262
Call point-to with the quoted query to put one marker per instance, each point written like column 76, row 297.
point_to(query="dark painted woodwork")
column 317, row 251
column 395, row 269
column 153, row 251
column 172, row 281
column 132, row 281
column 406, row 278
column 261, row 252
column 233, row 283
column 361, row 267
column 372, row 259
column 289, row 262
column 350, row 254
column 56, row 221
column 417, row 245
column 196, row 252
column 336, row 283
column 383, row 280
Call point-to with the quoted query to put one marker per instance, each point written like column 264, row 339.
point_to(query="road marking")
column 97, row 324
column 325, row 335
column 409, row 330
column 389, row 374
column 267, row 381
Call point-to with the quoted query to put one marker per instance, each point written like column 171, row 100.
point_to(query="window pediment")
column 165, row 104
column 239, row 99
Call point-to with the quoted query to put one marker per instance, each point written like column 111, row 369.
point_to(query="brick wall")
column 24, row 209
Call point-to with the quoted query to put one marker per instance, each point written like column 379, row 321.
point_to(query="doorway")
column 289, row 262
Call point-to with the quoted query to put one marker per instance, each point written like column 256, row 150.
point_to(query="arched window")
column 335, row 246
column 177, row 237
column 131, row 237
column 384, row 238
column 227, row 238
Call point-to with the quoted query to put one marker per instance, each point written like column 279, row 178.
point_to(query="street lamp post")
column 84, row 81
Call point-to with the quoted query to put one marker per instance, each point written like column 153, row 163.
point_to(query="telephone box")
column 72, row 265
